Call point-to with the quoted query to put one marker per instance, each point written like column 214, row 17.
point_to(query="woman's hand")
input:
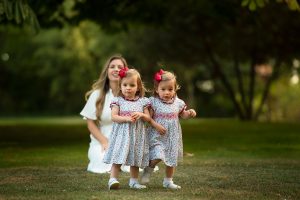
column 104, row 144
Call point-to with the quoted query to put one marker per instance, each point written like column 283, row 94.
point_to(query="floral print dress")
column 128, row 142
column 167, row 147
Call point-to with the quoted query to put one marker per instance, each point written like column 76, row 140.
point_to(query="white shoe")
column 171, row 185
column 136, row 185
column 113, row 184
column 146, row 175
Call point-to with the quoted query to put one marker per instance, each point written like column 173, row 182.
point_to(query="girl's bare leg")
column 113, row 183
column 148, row 171
column 153, row 163
column 134, row 172
column 115, row 170
column 168, row 180
column 170, row 172
column 133, row 182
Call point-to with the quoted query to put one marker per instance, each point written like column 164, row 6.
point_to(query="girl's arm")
column 145, row 116
column 160, row 129
column 95, row 131
column 185, row 114
column 115, row 117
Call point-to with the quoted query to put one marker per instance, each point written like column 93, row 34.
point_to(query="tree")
column 229, row 39
column 18, row 12
column 254, row 4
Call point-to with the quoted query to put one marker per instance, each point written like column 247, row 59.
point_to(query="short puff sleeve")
column 89, row 110
column 115, row 102
column 181, row 104
column 145, row 102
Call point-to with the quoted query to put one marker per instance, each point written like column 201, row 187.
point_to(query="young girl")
column 166, row 143
column 97, row 113
column 128, row 143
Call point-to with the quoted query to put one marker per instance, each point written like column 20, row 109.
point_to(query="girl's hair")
column 165, row 76
column 140, row 85
column 102, row 84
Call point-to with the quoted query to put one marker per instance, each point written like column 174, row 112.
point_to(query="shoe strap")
column 171, row 183
column 136, row 185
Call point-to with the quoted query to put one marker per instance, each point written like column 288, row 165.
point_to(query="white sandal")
column 137, row 186
column 171, row 185
column 113, row 184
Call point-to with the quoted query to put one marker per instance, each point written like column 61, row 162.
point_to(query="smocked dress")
column 167, row 147
column 128, row 142
column 95, row 152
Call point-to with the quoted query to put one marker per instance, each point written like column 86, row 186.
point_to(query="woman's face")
column 113, row 69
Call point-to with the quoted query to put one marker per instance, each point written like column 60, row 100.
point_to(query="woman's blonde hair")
column 140, row 85
column 102, row 84
column 165, row 76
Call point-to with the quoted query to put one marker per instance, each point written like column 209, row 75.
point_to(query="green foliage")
column 223, row 37
column 198, row 40
column 283, row 103
column 255, row 4
column 49, row 73
column 19, row 12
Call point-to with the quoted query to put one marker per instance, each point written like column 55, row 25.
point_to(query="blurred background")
column 233, row 58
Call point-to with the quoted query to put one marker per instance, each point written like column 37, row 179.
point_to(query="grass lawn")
column 224, row 159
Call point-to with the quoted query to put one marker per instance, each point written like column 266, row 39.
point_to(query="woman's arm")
column 95, row 131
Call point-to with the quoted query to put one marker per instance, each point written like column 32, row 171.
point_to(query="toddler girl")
column 166, row 143
column 128, row 143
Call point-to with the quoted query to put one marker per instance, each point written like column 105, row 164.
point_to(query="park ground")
column 46, row 158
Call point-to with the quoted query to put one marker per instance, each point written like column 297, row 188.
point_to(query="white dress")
column 95, row 152
column 128, row 143
column 167, row 147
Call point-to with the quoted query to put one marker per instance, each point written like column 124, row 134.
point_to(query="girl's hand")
column 129, row 119
column 160, row 129
column 192, row 113
column 136, row 115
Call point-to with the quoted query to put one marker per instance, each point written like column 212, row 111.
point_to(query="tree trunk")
column 267, row 88
column 239, row 78
column 224, row 80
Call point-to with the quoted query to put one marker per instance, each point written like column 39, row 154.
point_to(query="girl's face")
column 129, row 87
column 166, row 90
column 113, row 69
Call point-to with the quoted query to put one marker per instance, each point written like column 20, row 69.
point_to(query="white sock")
column 133, row 181
column 167, row 180
column 112, row 179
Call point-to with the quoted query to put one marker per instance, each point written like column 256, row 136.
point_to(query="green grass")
column 224, row 159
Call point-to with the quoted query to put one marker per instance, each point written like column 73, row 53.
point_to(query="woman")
column 97, row 113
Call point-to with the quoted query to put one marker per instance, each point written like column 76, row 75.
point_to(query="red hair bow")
column 158, row 74
column 123, row 71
